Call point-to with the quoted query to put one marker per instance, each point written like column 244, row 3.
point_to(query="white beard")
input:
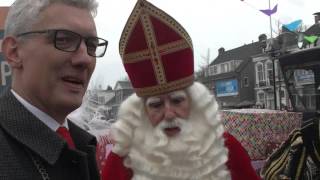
column 197, row 153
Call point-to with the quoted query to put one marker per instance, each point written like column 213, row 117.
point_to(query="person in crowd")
column 298, row 156
column 170, row 128
column 51, row 47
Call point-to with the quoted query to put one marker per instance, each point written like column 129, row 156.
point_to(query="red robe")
column 239, row 163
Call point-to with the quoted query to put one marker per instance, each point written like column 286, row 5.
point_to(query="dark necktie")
column 65, row 134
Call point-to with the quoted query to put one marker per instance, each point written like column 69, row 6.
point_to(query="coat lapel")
column 25, row 128
column 85, row 143
column 28, row 130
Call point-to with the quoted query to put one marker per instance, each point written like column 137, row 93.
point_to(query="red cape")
column 239, row 163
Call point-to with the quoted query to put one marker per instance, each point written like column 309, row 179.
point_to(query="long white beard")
column 197, row 153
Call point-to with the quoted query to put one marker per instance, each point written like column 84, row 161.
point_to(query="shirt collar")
column 42, row 116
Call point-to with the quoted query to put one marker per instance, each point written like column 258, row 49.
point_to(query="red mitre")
column 156, row 51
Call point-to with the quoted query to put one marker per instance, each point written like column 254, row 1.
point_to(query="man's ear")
column 10, row 51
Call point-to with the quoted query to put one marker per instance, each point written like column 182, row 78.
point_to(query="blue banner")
column 227, row 88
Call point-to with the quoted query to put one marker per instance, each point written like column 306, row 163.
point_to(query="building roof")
column 240, row 53
column 313, row 30
column 108, row 95
column 94, row 96
column 122, row 85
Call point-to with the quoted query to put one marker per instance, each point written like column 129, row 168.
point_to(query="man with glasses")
column 51, row 46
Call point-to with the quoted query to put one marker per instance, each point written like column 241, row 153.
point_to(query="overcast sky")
column 210, row 23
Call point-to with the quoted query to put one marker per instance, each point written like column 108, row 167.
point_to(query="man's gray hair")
column 23, row 14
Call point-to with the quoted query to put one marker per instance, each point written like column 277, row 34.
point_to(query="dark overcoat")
column 31, row 150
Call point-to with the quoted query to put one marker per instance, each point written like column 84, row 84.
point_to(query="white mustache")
column 177, row 122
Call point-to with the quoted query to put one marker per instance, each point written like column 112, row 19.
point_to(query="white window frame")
column 260, row 75
column 263, row 99
column 269, row 67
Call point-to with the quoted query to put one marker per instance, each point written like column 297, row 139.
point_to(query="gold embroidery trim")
column 147, row 7
column 153, row 47
column 162, row 50
column 163, row 88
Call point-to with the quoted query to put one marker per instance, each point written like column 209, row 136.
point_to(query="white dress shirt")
column 42, row 116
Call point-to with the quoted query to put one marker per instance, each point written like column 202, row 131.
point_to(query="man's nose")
column 81, row 56
column 169, row 113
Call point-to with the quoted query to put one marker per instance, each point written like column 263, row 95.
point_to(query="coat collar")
column 25, row 128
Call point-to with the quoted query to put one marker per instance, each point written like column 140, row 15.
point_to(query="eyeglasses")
column 69, row 41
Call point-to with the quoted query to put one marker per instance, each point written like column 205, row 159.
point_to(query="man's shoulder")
column 11, row 156
column 5, row 97
column 8, row 147
column 82, row 134
column 9, row 105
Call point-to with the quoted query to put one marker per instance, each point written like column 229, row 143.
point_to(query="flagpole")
column 273, row 64
column 270, row 21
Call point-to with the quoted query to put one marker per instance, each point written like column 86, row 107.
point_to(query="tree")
column 204, row 67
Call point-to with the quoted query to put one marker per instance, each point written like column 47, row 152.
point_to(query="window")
column 227, row 67
column 260, row 74
column 232, row 65
column 261, row 99
column 278, row 70
column 215, row 69
column 283, row 97
column 270, row 100
column 282, row 93
column 224, row 67
column 237, row 63
column 246, row 81
column 269, row 70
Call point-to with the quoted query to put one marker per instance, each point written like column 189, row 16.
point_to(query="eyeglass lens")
column 70, row 41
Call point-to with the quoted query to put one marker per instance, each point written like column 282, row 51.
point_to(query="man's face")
column 53, row 80
column 168, row 107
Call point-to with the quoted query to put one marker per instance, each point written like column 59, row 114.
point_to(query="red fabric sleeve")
column 239, row 162
column 114, row 169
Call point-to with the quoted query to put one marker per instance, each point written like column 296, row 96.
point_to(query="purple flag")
column 269, row 12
